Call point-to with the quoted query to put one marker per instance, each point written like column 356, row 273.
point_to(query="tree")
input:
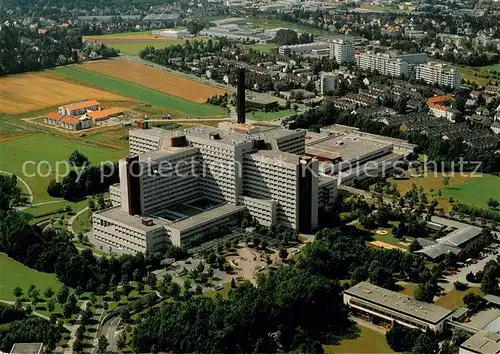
column 102, row 345
column 459, row 336
column 474, row 302
column 33, row 293
column 121, row 341
column 283, row 253
column 18, row 292
column 286, row 37
column 493, row 203
column 50, row 305
column 233, row 284
column 446, row 181
column 62, row 294
column 48, row 293
column 425, row 344
column 401, row 338
column 152, row 280
column 77, row 159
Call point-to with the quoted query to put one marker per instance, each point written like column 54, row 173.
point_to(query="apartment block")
column 437, row 74
column 383, row 63
column 342, row 50
column 328, row 82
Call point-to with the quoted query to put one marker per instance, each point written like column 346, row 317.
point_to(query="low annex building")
column 370, row 301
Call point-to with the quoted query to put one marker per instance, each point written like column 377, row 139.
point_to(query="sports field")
column 41, row 147
column 177, row 105
column 470, row 190
column 264, row 48
column 33, row 91
column 13, row 273
column 154, row 79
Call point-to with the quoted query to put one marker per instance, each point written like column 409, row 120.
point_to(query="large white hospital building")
column 176, row 185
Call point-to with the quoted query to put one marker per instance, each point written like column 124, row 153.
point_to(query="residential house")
column 52, row 118
column 74, row 123
column 77, row 109
column 105, row 114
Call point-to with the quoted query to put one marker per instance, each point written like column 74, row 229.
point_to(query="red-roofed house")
column 52, row 118
column 77, row 109
column 74, row 123
column 101, row 116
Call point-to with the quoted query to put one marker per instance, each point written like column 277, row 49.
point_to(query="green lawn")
column 13, row 273
column 82, row 222
column 475, row 191
column 389, row 238
column 140, row 93
column 264, row 48
column 369, row 341
column 495, row 67
column 454, row 299
column 48, row 211
column 263, row 116
column 40, row 147
column 136, row 47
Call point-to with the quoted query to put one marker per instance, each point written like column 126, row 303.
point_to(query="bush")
column 460, row 286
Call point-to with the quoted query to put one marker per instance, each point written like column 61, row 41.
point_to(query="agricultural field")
column 177, row 107
column 154, row 79
column 34, row 91
column 132, row 43
column 368, row 341
column 13, row 273
column 470, row 190
column 41, row 147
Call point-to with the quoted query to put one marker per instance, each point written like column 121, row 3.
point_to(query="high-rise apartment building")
column 328, row 82
column 437, row 74
column 383, row 63
column 342, row 50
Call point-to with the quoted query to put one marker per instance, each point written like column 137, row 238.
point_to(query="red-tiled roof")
column 105, row 113
column 69, row 120
column 53, row 115
column 81, row 105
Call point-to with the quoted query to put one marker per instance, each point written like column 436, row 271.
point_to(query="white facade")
column 236, row 167
column 383, row 63
column 172, row 33
column 342, row 51
column 438, row 75
column 304, row 48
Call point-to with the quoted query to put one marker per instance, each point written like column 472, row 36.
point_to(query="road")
column 73, row 218
column 26, row 185
column 110, row 331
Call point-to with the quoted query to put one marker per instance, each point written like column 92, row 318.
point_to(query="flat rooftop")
column 151, row 132
column 118, row 215
column 276, row 157
column 346, row 146
column 202, row 217
column 224, row 137
column 483, row 342
column 398, row 302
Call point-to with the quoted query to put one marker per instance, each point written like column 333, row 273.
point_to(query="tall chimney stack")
column 240, row 96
